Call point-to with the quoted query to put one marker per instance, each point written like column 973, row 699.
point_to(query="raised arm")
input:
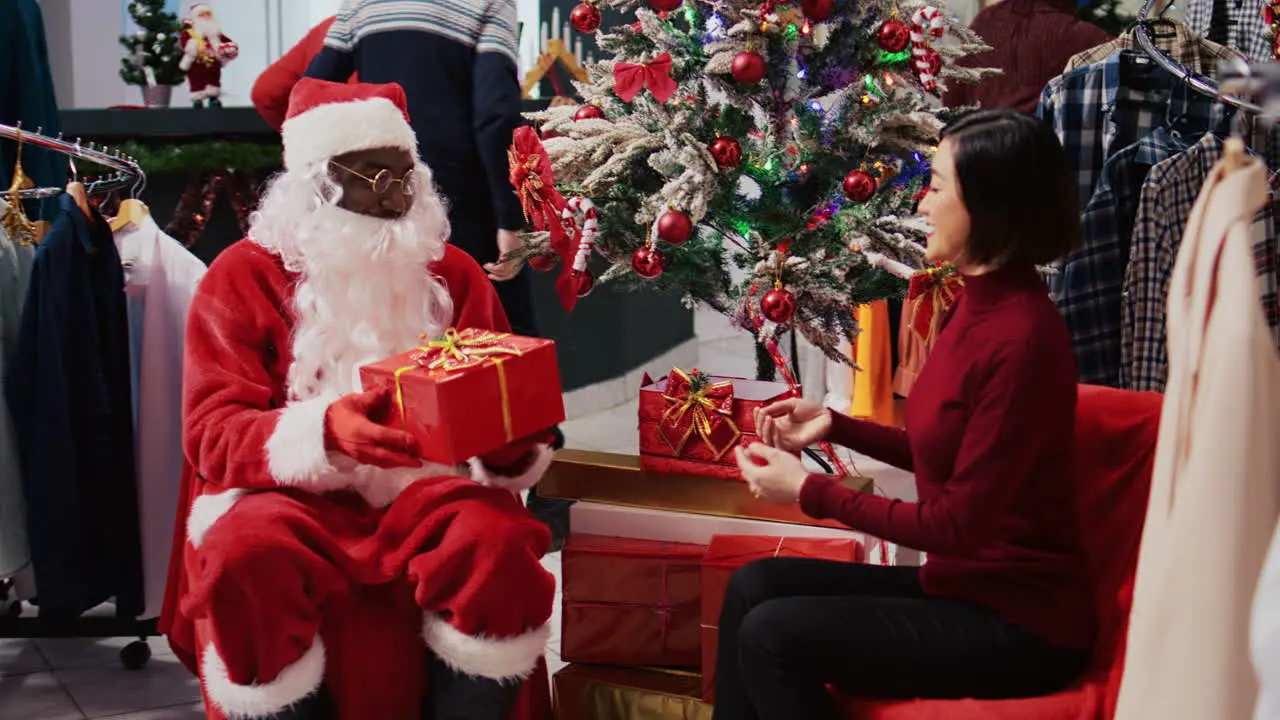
column 1003, row 440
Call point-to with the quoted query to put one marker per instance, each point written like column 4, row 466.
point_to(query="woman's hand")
column 773, row 475
column 793, row 424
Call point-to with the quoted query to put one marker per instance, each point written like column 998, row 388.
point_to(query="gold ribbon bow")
column 461, row 350
column 698, row 406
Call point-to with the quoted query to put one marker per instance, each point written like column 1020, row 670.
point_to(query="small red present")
column 691, row 422
column 470, row 392
column 726, row 554
column 631, row 602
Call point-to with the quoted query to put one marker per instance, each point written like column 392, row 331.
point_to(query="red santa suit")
column 204, row 54
column 280, row 528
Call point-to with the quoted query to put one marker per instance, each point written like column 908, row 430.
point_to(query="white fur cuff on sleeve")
column 295, row 450
column 525, row 480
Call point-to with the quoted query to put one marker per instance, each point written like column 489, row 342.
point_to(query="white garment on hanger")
column 1264, row 635
column 160, row 279
column 15, row 275
column 1215, row 489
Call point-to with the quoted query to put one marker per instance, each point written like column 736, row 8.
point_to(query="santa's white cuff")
column 294, row 683
column 295, row 451
column 515, row 483
column 508, row 660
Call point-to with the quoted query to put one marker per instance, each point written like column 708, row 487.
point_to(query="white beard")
column 364, row 290
column 210, row 30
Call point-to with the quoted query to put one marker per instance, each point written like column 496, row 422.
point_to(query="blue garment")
column 68, row 392
column 456, row 60
column 26, row 96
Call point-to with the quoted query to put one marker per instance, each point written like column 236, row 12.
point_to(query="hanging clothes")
column 15, row 273
column 1190, row 50
column 1214, row 497
column 160, row 280
column 27, row 96
column 912, row 353
column 1030, row 40
column 1264, row 634
column 68, row 390
column 1246, row 27
column 873, row 380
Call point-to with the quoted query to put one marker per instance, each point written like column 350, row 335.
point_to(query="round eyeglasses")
column 382, row 182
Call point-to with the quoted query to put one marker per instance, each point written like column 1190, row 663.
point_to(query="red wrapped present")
column 471, row 392
column 631, row 602
column 691, row 422
column 730, row 552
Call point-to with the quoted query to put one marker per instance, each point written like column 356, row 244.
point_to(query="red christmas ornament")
column 859, row 186
column 585, row 18
column 648, row 262
column 726, row 151
column 582, row 282
column 664, row 5
column 589, row 112
column 748, row 67
column 778, row 305
column 674, row 227
column 894, row 35
column 817, row 10
column 542, row 263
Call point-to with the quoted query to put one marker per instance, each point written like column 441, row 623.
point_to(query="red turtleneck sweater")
column 988, row 434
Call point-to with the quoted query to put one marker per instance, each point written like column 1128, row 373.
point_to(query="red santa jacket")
column 271, row 90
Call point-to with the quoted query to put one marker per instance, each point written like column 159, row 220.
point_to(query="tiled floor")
column 74, row 678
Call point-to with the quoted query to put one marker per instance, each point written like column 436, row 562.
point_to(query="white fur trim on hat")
column 336, row 128
column 294, row 683
column 509, row 660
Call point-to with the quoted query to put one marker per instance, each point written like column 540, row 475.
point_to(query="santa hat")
column 327, row 119
column 196, row 8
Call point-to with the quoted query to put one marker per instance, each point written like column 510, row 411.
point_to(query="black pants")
column 478, row 236
column 790, row 626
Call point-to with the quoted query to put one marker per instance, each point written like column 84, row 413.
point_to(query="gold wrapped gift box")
column 614, row 479
column 594, row 692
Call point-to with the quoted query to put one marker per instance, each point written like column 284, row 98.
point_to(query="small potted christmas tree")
column 154, row 54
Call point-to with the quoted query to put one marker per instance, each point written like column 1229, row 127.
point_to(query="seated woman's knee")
column 764, row 631
column 755, row 582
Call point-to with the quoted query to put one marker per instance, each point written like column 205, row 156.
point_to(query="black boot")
column 215, row 102
column 197, row 104
column 451, row 695
column 317, row 706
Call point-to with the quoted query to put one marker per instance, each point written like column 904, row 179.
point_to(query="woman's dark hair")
column 1016, row 182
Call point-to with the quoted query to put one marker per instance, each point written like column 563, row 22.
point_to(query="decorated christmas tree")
column 154, row 53
column 789, row 140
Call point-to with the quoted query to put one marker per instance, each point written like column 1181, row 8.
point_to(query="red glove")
column 356, row 425
column 515, row 457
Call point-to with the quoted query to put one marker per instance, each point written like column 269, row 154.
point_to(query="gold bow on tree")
column 698, row 406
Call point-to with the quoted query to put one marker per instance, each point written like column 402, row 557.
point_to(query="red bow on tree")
column 532, row 178
column 629, row 79
column 931, row 293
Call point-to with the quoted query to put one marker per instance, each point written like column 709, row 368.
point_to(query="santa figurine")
column 305, row 493
column 204, row 51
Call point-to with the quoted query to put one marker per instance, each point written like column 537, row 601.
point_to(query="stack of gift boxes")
column 653, row 542
column 653, row 539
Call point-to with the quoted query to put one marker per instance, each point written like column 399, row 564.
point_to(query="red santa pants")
column 272, row 565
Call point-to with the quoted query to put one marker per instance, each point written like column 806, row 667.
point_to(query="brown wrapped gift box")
column 592, row 692
column 631, row 602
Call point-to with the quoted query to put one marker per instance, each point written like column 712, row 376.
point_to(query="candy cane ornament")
column 927, row 25
column 579, row 216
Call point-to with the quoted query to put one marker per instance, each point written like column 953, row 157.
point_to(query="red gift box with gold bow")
column 727, row 553
column 690, row 422
column 631, row 602
column 470, row 392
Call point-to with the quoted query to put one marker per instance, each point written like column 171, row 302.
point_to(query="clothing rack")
column 125, row 170
column 124, row 173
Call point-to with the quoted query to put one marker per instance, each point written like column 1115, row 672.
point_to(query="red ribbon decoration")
column 629, row 79
column 531, row 176
column 931, row 293
column 705, row 410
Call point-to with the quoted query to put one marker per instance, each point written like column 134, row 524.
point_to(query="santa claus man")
column 204, row 51
column 305, row 486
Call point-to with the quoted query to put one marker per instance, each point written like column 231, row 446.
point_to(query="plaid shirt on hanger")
column 1190, row 50
column 1165, row 205
column 1246, row 25
column 1093, row 275
column 1266, row 260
